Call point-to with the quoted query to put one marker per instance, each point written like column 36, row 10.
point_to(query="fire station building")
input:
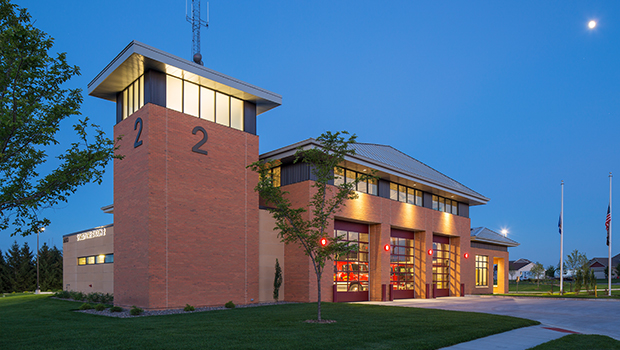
column 189, row 229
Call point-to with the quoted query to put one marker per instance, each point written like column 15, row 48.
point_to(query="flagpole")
column 609, row 233
column 562, row 244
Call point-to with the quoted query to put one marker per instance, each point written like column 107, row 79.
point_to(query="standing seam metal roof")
column 394, row 158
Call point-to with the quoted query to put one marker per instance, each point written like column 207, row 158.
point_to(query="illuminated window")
column 342, row 176
column 276, row 176
column 338, row 176
column 445, row 205
column 222, row 109
column 109, row 258
column 405, row 194
column 236, row 113
column 133, row 97
column 482, row 270
column 174, row 93
column 90, row 260
column 82, row 261
column 207, row 104
column 101, row 259
column 190, row 98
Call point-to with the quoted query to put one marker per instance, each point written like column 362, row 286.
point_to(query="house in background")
column 599, row 265
column 519, row 268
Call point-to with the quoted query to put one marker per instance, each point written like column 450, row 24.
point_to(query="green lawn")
column 39, row 322
column 580, row 342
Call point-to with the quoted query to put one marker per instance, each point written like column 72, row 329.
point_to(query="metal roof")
column 483, row 234
column 391, row 161
column 137, row 58
column 396, row 159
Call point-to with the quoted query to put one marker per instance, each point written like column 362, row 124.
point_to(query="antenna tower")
column 196, row 22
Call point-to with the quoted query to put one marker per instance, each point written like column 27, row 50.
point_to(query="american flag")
column 607, row 222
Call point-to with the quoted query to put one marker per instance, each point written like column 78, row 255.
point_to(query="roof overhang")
column 138, row 58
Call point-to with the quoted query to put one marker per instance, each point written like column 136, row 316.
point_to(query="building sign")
column 99, row 232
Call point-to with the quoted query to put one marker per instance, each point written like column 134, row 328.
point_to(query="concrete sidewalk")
column 517, row 339
column 559, row 316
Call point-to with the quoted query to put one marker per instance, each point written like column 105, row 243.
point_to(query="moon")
column 591, row 24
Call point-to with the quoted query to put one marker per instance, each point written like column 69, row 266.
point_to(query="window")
column 275, row 174
column 96, row 259
column 405, row 194
column 342, row 176
column 445, row 205
column 190, row 98
column 174, row 93
column 351, row 270
column 207, row 104
column 401, row 263
column 236, row 113
column 222, row 109
column 133, row 97
column 482, row 270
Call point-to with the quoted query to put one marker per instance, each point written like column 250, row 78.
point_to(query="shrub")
column 135, row 311
column 77, row 295
column 107, row 298
column 116, row 309
column 85, row 306
column 188, row 308
column 63, row 294
column 230, row 305
column 100, row 307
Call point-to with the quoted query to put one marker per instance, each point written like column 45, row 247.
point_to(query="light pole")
column 38, row 291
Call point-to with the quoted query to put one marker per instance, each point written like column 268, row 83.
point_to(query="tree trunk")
column 318, row 281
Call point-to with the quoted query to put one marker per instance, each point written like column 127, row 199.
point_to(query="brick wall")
column 186, row 223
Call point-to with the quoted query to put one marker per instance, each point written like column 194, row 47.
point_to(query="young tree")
column 308, row 227
column 538, row 270
column 277, row 282
column 578, row 280
column 32, row 106
column 550, row 271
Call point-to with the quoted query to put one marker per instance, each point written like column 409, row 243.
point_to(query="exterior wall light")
column 430, row 251
column 386, row 247
column 466, row 255
column 323, row 242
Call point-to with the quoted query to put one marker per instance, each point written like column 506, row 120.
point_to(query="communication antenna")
column 196, row 22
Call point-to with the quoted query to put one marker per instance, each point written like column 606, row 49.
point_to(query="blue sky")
column 508, row 98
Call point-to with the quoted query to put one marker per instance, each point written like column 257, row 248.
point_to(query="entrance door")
column 351, row 273
column 441, row 266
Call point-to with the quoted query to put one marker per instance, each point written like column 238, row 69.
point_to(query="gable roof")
column 519, row 264
column 615, row 260
column 483, row 234
column 388, row 160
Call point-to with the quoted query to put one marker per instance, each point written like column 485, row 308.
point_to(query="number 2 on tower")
column 196, row 147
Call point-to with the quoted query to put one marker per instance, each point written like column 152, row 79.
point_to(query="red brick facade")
column 186, row 223
column 382, row 214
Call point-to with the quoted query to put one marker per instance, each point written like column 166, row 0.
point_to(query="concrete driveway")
column 587, row 316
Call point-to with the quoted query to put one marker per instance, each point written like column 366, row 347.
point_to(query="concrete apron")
column 586, row 316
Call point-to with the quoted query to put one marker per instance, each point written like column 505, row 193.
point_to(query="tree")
column 26, row 270
column 277, row 281
column 576, row 260
column 3, row 278
column 550, row 271
column 307, row 227
column 50, row 261
column 578, row 280
column 32, row 105
column 618, row 270
column 13, row 258
column 538, row 270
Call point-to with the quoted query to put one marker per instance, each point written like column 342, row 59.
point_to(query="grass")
column 579, row 342
column 39, row 322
